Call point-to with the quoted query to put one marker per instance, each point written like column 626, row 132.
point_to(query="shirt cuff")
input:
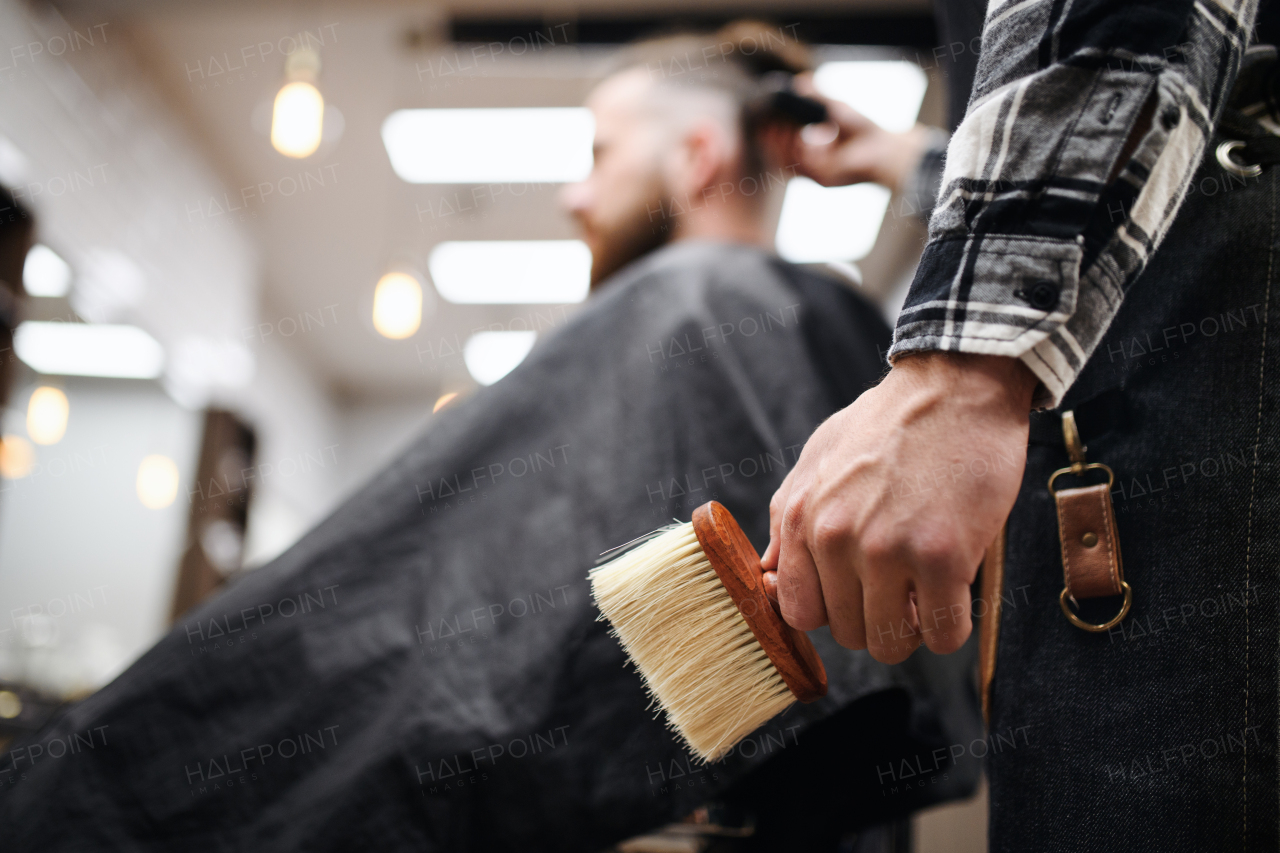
column 998, row 295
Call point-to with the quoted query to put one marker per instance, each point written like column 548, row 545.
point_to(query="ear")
column 703, row 156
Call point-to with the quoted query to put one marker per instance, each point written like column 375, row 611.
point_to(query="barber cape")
column 425, row 670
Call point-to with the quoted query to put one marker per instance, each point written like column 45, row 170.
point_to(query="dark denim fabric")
column 1161, row 733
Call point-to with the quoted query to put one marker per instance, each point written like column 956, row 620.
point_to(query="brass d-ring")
column 1092, row 466
column 1089, row 626
column 1244, row 170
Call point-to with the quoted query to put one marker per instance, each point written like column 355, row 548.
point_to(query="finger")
column 841, row 586
column 840, row 112
column 770, row 580
column 893, row 626
column 945, row 617
column 800, row 594
column 777, row 504
column 803, row 85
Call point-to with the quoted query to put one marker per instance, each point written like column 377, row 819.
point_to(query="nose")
column 575, row 198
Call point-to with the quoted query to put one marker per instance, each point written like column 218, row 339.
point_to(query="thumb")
column 778, row 503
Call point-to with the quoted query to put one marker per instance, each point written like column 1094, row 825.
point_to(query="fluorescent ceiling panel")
column 887, row 92
column 44, row 273
column 511, row 271
column 82, row 349
column 489, row 356
column 477, row 146
column 820, row 224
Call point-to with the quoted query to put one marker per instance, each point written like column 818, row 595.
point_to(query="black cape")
column 425, row 670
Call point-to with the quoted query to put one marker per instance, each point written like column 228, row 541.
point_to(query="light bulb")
column 47, row 415
column 297, row 119
column 17, row 457
column 397, row 305
column 157, row 481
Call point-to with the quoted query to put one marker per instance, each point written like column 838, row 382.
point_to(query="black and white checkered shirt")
column 1039, row 226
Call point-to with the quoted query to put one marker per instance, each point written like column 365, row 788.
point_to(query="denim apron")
column 1160, row 733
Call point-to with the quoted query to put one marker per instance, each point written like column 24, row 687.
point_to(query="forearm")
column 1063, row 178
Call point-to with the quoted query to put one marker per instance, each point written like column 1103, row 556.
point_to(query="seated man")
column 425, row 670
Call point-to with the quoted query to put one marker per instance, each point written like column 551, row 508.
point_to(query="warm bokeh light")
column 397, row 305
column 10, row 704
column 297, row 120
column 17, row 457
column 47, row 414
column 445, row 399
column 157, row 481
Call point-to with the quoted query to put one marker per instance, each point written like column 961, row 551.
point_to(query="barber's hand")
column 880, row 527
column 851, row 148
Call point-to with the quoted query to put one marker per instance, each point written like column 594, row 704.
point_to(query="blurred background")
column 272, row 238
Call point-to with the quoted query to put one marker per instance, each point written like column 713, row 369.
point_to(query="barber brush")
column 691, row 611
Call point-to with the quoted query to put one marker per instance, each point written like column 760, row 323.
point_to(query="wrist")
column 989, row 380
column 901, row 155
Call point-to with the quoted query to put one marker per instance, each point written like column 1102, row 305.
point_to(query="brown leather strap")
column 992, row 590
column 1091, row 563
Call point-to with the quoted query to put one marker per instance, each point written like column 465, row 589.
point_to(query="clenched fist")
column 879, row 529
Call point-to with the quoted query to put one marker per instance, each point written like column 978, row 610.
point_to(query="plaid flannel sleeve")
column 1087, row 121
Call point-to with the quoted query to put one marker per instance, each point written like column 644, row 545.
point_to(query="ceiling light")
column 511, row 271
column 83, row 349
column 157, row 482
column 297, row 117
column 475, row 146
column 47, row 413
column 887, row 92
column 44, row 273
column 820, row 224
column 397, row 305
column 297, row 120
column 17, row 457
column 492, row 355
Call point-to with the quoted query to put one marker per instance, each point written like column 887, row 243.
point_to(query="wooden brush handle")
column 737, row 564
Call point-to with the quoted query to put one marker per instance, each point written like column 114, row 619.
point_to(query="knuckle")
column 848, row 636
column 936, row 549
column 795, row 612
column 830, row 533
column 793, row 515
column 888, row 654
column 878, row 547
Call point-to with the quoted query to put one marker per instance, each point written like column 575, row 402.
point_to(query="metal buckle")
column 1076, row 452
column 1243, row 170
column 1089, row 626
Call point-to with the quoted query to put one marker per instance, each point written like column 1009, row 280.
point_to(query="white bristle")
column 698, row 658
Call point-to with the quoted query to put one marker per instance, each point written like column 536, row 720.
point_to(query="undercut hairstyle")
column 739, row 65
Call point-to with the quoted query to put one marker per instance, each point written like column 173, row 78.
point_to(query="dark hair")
column 744, row 60
column 17, row 228
column 17, row 233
